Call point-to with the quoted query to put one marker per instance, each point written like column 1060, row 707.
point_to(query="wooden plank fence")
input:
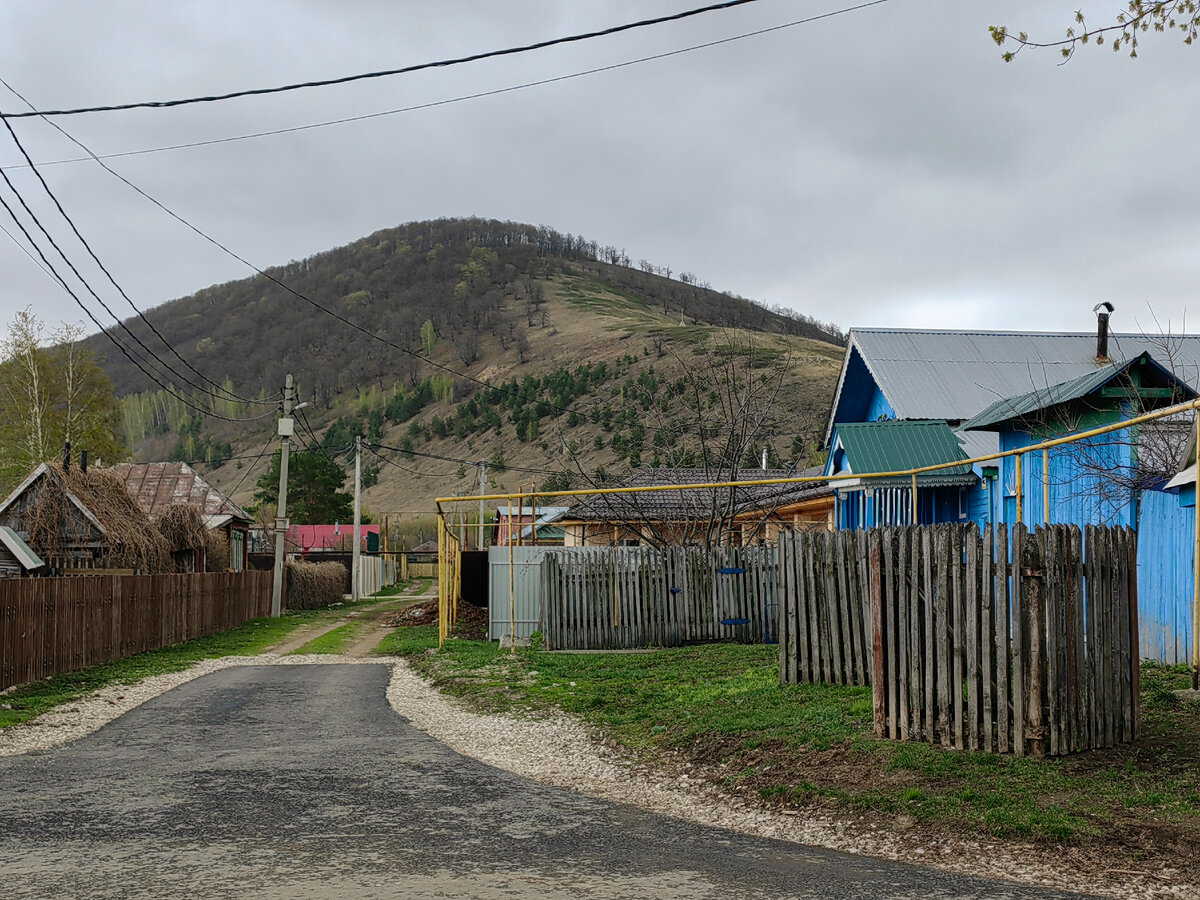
column 614, row 598
column 825, row 611
column 49, row 626
column 1022, row 643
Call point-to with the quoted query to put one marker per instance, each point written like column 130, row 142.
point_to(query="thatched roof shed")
column 79, row 520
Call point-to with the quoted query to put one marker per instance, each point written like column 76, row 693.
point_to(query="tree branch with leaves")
column 1139, row 17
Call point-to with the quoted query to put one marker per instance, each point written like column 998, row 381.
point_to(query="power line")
column 250, row 468
column 404, row 469
column 451, row 100
column 42, row 228
column 104, row 269
column 371, row 334
column 362, row 76
column 75, row 297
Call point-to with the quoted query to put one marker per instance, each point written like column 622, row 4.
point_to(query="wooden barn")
column 159, row 486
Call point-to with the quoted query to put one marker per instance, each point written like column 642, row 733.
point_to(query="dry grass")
column 314, row 585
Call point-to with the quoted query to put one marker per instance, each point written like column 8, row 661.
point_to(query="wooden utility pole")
column 286, row 429
column 356, row 553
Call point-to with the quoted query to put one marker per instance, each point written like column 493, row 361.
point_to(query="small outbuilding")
column 16, row 557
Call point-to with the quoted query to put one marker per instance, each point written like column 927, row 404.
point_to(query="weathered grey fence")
column 614, row 598
column 824, row 620
column 53, row 625
column 975, row 643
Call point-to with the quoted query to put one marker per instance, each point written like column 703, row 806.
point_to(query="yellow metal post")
column 1045, row 487
column 914, row 499
column 512, row 590
column 442, row 608
column 1020, row 491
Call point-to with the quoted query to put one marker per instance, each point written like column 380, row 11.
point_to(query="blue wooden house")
column 1021, row 388
column 866, row 448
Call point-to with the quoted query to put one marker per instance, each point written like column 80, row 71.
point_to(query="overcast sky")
column 879, row 168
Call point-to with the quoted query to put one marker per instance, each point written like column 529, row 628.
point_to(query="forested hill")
column 454, row 342
column 478, row 281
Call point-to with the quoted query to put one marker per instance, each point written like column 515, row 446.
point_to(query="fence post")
column 1134, row 637
column 1033, row 578
column 879, row 673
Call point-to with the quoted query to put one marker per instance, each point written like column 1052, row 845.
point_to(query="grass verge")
column 26, row 701
column 722, row 708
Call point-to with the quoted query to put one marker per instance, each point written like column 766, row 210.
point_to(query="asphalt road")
column 301, row 781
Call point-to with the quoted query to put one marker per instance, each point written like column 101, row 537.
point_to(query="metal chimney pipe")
column 1102, row 311
column 83, row 461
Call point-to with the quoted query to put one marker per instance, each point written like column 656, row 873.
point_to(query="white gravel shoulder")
column 561, row 751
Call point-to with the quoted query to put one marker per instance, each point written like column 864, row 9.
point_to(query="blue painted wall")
column 1081, row 492
column 1166, row 535
column 879, row 408
column 860, row 399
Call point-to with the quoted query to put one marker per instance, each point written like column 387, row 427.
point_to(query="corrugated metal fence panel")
column 1165, row 546
column 525, row 610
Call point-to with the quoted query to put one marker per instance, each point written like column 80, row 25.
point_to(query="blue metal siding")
column 1165, row 547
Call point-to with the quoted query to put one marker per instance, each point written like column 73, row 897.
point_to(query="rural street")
column 301, row 781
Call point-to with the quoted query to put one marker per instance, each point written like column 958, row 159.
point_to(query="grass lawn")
column 721, row 706
column 23, row 702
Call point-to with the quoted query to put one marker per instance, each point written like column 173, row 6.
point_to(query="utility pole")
column 482, row 491
column 286, row 429
column 356, row 554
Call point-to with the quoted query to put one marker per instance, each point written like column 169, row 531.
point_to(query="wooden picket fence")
column 49, row 626
column 614, row 598
column 975, row 641
column 825, row 609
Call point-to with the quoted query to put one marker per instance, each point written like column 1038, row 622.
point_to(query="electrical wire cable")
column 25, row 250
column 407, row 471
column 371, row 334
column 12, row 214
column 250, row 468
column 317, row 441
column 433, row 104
column 386, row 73
column 33, row 216
column 54, row 199
column 104, row 269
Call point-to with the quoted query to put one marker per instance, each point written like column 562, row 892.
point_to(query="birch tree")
column 52, row 391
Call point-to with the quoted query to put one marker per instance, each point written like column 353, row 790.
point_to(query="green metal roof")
column 1011, row 408
column 896, row 446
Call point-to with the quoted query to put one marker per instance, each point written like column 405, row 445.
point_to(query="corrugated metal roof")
column 953, row 375
column 19, row 549
column 156, row 486
column 1017, row 407
column 978, row 443
column 896, row 446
